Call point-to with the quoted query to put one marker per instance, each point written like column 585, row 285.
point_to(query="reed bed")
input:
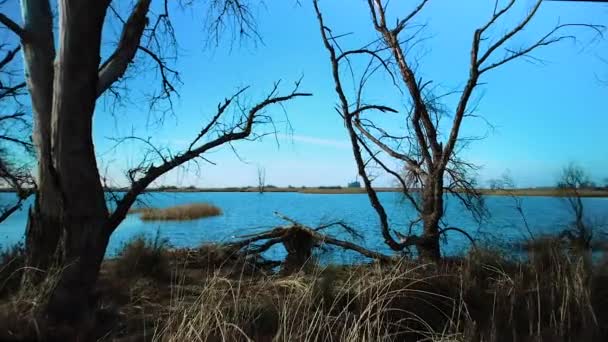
column 178, row 213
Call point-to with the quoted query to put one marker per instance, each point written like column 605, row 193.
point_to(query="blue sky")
column 544, row 114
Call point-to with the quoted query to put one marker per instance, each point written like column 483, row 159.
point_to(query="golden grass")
column 212, row 295
column 178, row 213
column 394, row 303
column 483, row 297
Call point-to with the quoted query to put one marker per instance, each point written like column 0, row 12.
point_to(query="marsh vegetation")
column 177, row 213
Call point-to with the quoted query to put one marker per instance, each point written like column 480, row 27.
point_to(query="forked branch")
column 240, row 130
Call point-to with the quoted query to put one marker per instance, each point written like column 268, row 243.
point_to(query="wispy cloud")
column 342, row 144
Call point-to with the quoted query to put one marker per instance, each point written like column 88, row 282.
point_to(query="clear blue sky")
column 544, row 115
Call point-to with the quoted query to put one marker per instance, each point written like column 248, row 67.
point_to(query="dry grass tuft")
column 178, row 213
column 367, row 303
column 143, row 257
column 485, row 296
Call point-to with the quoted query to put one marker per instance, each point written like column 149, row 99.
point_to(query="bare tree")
column 261, row 179
column 572, row 181
column 430, row 157
column 70, row 219
column 506, row 184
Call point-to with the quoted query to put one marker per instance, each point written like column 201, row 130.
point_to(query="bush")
column 144, row 257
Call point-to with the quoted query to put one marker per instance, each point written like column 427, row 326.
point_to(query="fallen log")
column 299, row 241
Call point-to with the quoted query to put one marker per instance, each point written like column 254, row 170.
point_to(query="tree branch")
column 13, row 26
column 239, row 131
column 9, row 56
column 386, row 148
column 8, row 211
column 348, row 122
column 116, row 65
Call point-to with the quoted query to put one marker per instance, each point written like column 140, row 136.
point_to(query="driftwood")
column 299, row 241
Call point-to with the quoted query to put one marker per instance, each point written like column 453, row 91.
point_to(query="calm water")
column 245, row 213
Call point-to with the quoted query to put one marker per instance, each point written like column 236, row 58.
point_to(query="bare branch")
column 7, row 211
column 456, row 229
column 285, row 234
column 543, row 41
column 235, row 15
column 509, row 34
column 116, row 65
column 9, row 56
column 221, row 108
column 405, row 188
column 346, row 115
column 238, row 131
column 386, row 148
column 167, row 84
column 13, row 26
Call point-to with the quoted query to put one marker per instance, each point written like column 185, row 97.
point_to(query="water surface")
column 246, row 213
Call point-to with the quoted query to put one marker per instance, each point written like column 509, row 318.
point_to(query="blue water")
column 246, row 213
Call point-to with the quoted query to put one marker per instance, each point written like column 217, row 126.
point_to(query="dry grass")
column 397, row 303
column 217, row 295
column 178, row 213
column 143, row 257
column 555, row 296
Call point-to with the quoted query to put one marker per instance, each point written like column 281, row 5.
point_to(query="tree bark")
column 83, row 214
column 432, row 211
column 70, row 218
column 42, row 233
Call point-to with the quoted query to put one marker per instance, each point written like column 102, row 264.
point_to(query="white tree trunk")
column 39, row 53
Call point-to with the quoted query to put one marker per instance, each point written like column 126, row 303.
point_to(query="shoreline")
column 528, row 192
column 532, row 192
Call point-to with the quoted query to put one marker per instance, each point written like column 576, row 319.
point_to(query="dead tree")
column 70, row 222
column 573, row 180
column 430, row 158
column 261, row 179
column 506, row 185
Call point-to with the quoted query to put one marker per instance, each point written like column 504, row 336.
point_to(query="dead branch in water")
column 299, row 240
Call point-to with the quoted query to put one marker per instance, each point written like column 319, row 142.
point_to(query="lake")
column 246, row 213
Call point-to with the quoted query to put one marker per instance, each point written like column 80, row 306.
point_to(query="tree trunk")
column 84, row 214
column 432, row 211
column 43, row 230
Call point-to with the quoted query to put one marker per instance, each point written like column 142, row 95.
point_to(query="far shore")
column 543, row 192
column 547, row 192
